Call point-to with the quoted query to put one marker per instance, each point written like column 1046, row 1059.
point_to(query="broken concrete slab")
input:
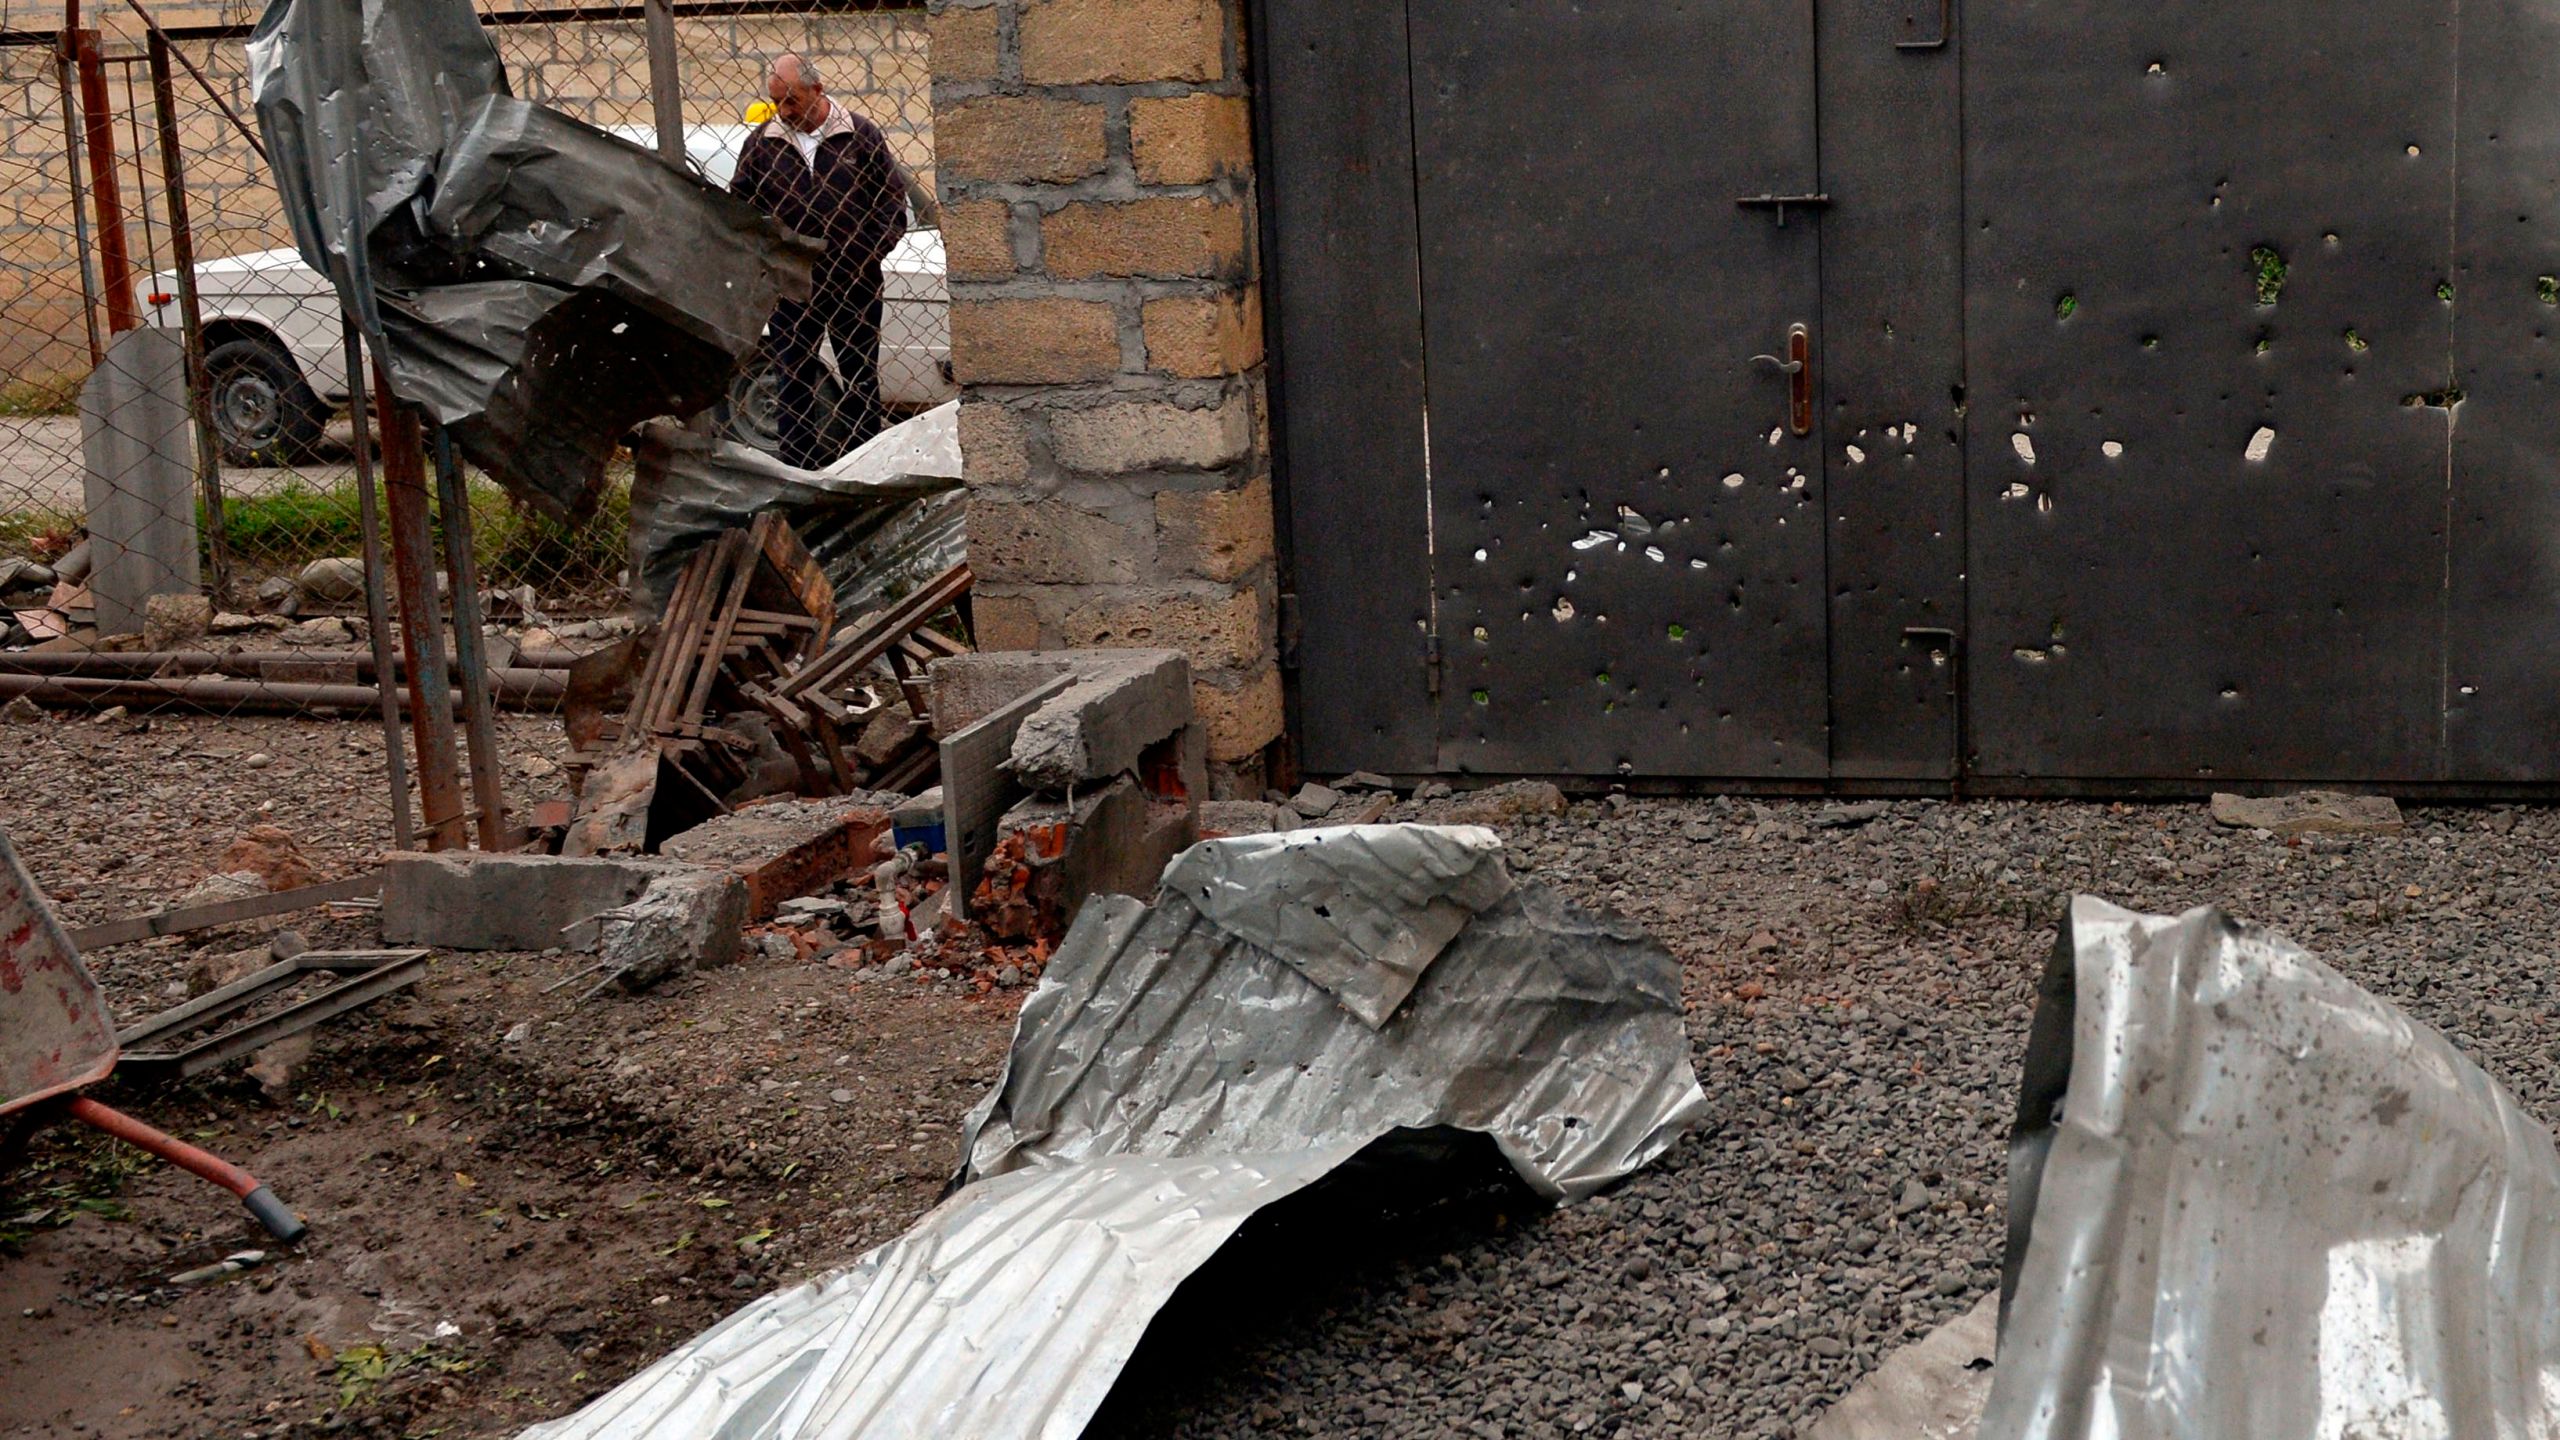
column 786, row 848
column 1315, row 801
column 1115, row 840
column 685, row 920
column 2310, row 812
column 137, row 445
column 1931, row 1389
column 473, row 900
column 1121, row 703
column 1243, row 817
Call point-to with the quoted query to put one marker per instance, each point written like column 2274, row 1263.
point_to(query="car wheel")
column 751, row 413
column 264, row 412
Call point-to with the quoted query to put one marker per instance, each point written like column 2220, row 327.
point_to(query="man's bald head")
column 798, row 95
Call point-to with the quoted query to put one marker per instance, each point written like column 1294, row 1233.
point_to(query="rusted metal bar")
column 182, row 254
column 470, row 646
column 222, row 912
column 252, row 664
column 115, row 268
column 62, row 80
column 404, row 489
column 519, row 689
column 377, row 606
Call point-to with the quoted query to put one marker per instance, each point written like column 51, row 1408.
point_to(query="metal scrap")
column 1169, row 1079
column 2248, row 1197
column 536, row 285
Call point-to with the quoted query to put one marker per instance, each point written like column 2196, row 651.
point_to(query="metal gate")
column 2046, row 396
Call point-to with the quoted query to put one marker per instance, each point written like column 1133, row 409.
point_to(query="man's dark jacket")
column 851, row 198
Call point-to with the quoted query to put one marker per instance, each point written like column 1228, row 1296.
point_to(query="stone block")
column 175, row 622
column 1241, row 720
column 1243, row 817
column 1165, row 236
column 1218, row 632
column 1033, row 342
column 1103, row 42
column 2310, row 812
column 1018, row 138
column 992, row 448
column 1005, row 622
column 977, row 239
column 1214, row 534
column 1150, row 435
column 1204, row 335
column 787, row 848
column 965, row 45
column 1050, row 542
column 475, row 900
column 684, row 921
column 1189, row 139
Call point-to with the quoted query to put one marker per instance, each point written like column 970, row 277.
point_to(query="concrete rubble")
column 1113, row 767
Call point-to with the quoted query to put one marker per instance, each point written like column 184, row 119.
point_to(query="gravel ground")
column 1859, row 980
column 1859, row 1000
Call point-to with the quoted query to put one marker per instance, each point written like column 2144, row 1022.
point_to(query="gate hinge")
column 1431, row 663
column 1289, row 629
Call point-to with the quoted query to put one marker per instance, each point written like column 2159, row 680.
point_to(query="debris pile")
column 1289, row 1003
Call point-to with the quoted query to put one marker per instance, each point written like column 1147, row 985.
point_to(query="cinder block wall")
column 1097, row 184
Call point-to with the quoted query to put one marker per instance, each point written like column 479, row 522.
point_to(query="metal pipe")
column 252, row 664
column 114, row 266
column 377, row 607
column 79, row 199
column 182, row 254
column 404, row 491
column 280, row 1221
column 537, row 690
column 666, row 93
column 470, row 647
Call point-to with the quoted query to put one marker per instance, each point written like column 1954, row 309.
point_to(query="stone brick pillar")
column 1096, row 174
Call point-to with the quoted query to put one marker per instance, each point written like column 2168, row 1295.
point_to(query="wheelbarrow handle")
column 280, row 1221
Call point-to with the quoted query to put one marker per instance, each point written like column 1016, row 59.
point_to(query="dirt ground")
column 515, row 1199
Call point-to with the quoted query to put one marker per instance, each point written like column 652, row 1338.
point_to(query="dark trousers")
column 820, row 423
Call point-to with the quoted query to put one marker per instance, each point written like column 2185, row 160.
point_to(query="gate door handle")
column 1797, row 366
column 1911, row 24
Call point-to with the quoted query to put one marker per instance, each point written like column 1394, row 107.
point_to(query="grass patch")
column 284, row 530
column 52, row 395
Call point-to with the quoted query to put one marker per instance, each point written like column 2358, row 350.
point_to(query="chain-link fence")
column 214, row 578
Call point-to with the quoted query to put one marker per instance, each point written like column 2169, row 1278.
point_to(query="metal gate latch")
column 1780, row 203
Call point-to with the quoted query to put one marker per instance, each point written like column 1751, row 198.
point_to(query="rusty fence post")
column 377, row 607
column 114, row 266
column 470, row 646
column 666, row 87
column 404, row 492
column 63, row 82
column 182, row 254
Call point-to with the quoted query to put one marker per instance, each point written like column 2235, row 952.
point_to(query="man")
column 825, row 172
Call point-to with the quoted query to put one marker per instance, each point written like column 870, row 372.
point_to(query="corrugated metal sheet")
column 2251, row 1199
column 1170, row 1078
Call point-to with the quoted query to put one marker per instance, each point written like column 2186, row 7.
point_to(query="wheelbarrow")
column 56, row 1038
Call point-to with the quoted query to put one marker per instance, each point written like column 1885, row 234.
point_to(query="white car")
column 274, row 356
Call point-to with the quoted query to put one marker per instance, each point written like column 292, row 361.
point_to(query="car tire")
column 751, row 413
column 264, row 412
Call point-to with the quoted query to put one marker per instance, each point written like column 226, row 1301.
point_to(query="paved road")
column 40, row 467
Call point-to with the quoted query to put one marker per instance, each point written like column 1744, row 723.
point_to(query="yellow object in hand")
column 759, row 112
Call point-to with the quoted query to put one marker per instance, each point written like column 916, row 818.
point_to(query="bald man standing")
column 825, row 172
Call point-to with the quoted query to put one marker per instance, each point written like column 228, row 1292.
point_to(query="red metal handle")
column 262, row 1202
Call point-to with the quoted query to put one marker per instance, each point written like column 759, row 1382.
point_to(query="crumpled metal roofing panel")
column 2251, row 1199
column 1169, row 1079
